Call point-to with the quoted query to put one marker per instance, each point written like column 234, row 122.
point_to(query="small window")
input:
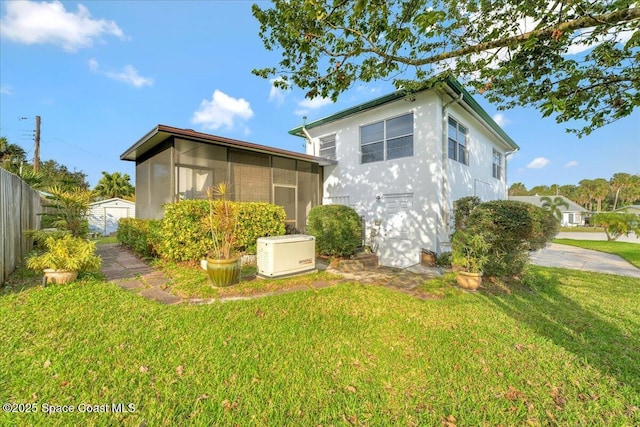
column 457, row 140
column 387, row 140
column 497, row 164
column 328, row 147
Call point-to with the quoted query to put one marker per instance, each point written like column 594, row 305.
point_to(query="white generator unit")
column 286, row 255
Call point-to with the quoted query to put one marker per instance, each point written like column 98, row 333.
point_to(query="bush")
column 337, row 229
column 140, row 235
column 462, row 209
column 510, row 228
column 185, row 234
column 617, row 224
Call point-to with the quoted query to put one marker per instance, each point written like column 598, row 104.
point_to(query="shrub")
column 462, row 209
column 444, row 260
column 140, row 235
column 65, row 253
column 185, row 234
column 337, row 229
column 507, row 227
column 617, row 224
column 469, row 250
column 545, row 225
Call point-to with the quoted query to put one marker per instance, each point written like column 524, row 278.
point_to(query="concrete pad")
column 564, row 256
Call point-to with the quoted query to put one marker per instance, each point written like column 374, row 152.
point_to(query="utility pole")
column 36, row 151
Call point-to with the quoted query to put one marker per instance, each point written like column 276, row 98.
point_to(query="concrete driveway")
column 564, row 256
column 577, row 235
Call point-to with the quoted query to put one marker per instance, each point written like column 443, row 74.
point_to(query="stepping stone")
column 160, row 296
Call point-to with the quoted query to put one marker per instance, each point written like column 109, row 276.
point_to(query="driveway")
column 577, row 235
column 564, row 256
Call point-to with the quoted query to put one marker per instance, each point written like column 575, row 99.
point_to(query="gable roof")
column 113, row 199
column 161, row 133
column 451, row 85
column 535, row 200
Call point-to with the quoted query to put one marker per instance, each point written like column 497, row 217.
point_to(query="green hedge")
column 185, row 236
column 337, row 229
column 140, row 235
column 510, row 228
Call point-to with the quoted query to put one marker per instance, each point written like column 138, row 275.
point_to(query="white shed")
column 105, row 215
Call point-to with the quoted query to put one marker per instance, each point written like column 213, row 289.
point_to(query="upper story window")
column 386, row 140
column 457, row 137
column 328, row 146
column 497, row 164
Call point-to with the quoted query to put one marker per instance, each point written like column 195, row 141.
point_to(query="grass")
column 626, row 250
column 562, row 350
column 188, row 281
column 583, row 229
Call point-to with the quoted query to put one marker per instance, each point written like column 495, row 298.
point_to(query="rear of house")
column 401, row 162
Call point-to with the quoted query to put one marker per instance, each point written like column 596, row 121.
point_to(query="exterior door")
column 397, row 247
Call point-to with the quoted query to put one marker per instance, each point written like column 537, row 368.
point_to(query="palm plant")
column 68, row 209
column 222, row 221
column 554, row 205
column 114, row 185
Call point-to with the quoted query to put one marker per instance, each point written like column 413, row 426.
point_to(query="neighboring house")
column 635, row 209
column 105, row 215
column 401, row 162
column 174, row 164
column 572, row 216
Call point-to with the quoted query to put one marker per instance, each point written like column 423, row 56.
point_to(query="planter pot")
column 59, row 276
column 469, row 281
column 224, row 272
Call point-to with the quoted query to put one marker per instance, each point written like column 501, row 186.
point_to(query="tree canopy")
column 574, row 60
column 114, row 185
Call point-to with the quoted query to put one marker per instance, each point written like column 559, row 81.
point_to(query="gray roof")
column 535, row 200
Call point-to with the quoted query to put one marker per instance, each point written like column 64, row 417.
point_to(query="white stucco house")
column 104, row 215
column 401, row 161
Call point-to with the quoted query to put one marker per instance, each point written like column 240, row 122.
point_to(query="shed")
column 104, row 215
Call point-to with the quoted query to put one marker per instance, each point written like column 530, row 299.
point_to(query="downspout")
column 444, row 214
column 308, row 137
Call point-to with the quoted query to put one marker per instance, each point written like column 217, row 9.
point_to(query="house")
column 572, row 214
column 104, row 215
column 401, row 160
column 174, row 164
column 635, row 209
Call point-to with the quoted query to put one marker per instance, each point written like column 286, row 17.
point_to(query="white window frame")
column 385, row 139
column 327, row 147
column 497, row 164
column 460, row 152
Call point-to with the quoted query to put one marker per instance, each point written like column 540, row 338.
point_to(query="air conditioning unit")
column 286, row 255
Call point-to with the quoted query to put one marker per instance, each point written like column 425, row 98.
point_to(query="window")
column 328, row 147
column 497, row 164
column 387, row 140
column 457, row 136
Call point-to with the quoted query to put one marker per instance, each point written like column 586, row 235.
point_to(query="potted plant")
column 469, row 255
column 223, row 264
column 63, row 257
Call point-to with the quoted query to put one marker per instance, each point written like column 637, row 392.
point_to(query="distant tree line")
column 53, row 175
column 593, row 194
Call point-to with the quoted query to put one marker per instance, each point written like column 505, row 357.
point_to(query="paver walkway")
column 122, row 267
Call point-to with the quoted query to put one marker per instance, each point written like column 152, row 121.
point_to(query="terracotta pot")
column 224, row 272
column 469, row 281
column 59, row 276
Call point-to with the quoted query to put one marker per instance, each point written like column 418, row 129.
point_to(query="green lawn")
column 562, row 351
column 626, row 250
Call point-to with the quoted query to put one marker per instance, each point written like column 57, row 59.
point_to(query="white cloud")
column 301, row 112
column 580, row 44
column 315, row 103
column 571, row 164
column 222, row 111
column 39, row 23
column 501, row 120
column 5, row 90
column 538, row 163
column 128, row 75
column 276, row 94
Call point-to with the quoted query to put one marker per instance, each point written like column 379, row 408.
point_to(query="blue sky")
column 101, row 74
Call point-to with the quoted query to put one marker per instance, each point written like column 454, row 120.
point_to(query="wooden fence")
column 20, row 206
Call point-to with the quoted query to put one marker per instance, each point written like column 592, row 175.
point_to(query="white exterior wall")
column 105, row 215
column 406, row 202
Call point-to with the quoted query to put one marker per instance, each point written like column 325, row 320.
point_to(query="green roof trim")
column 452, row 83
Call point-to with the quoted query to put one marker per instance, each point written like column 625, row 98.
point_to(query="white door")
column 112, row 216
